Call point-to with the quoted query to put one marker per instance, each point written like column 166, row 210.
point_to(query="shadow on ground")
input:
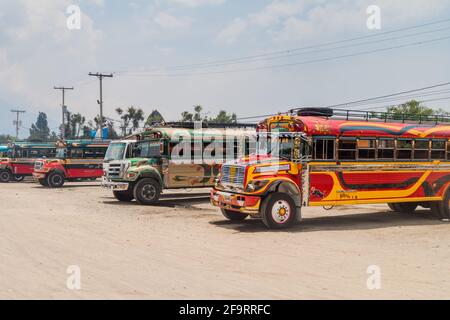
column 169, row 200
column 362, row 221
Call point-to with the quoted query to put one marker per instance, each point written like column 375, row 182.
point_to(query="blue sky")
column 139, row 40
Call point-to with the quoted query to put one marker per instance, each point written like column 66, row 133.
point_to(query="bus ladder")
column 305, row 183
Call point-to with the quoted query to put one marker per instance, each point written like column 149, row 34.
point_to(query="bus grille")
column 232, row 174
column 115, row 170
column 38, row 165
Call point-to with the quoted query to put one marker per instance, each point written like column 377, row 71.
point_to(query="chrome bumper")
column 119, row 186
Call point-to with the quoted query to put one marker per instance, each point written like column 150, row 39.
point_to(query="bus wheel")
column 233, row 215
column 124, row 196
column 18, row 178
column 445, row 206
column 147, row 191
column 280, row 211
column 5, row 176
column 43, row 182
column 436, row 209
column 55, row 180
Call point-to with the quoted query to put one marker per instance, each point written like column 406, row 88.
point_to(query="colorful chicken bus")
column 173, row 158
column 17, row 161
column 75, row 160
column 117, row 152
column 336, row 157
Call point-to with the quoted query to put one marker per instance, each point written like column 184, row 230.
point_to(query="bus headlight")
column 256, row 185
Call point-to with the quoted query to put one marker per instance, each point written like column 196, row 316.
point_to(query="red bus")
column 331, row 158
column 17, row 160
column 75, row 160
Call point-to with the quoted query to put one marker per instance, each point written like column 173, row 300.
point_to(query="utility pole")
column 100, row 77
column 16, row 122
column 63, row 106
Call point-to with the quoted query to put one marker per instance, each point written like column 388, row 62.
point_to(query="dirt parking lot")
column 184, row 249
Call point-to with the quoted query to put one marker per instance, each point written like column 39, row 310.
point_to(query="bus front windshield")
column 276, row 145
column 116, row 151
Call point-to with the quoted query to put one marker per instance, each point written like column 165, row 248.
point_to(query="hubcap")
column 281, row 211
column 149, row 192
column 56, row 180
column 4, row 176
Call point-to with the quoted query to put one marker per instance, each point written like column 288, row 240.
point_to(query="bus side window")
column 76, row 154
column 438, row 150
column 386, row 149
column 347, row 149
column 366, row 149
column 404, row 149
column 421, row 149
column 324, row 149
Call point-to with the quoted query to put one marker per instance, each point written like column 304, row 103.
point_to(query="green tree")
column 40, row 131
column 6, row 138
column 224, row 117
column 131, row 119
column 411, row 110
column 187, row 116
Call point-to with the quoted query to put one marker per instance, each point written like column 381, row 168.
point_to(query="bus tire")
column 280, row 211
column 55, row 179
column 18, row 178
column 445, row 206
column 124, row 196
column 147, row 191
column 5, row 176
column 43, row 182
column 436, row 209
column 233, row 215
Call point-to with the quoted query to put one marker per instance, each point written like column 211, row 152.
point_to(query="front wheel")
column 19, row 178
column 55, row 180
column 233, row 215
column 5, row 176
column 124, row 196
column 147, row 191
column 280, row 211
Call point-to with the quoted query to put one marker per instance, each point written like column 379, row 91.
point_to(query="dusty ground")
column 184, row 249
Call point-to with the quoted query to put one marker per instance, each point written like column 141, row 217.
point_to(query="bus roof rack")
column 191, row 125
column 376, row 116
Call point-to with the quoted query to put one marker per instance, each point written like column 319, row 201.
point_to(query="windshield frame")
column 114, row 146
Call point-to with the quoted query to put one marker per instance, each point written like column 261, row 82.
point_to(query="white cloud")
column 232, row 31
column 298, row 20
column 197, row 3
column 168, row 21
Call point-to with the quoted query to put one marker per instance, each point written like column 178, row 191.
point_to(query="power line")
column 389, row 95
column 289, row 51
column 367, row 100
column 295, row 63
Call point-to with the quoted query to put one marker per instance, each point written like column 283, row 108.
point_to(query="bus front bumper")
column 115, row 186
column 236, row 202
column 39, row 175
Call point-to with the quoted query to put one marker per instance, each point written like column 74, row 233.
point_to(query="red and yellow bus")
column 341, row 158
column 75, row 160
